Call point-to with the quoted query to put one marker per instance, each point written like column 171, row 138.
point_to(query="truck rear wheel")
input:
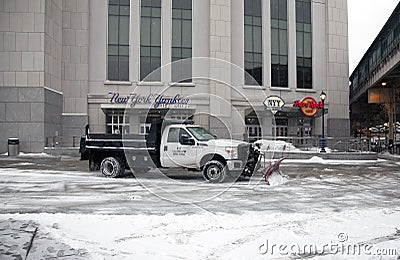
column 214, row 171
column 112, row 167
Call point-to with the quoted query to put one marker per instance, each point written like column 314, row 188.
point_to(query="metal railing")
column 339, row 144
column 63, row 141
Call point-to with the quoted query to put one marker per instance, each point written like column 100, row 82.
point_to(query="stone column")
column 338, row 123
column 220, row 68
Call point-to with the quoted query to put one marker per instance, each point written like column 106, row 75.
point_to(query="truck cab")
column 191, row 146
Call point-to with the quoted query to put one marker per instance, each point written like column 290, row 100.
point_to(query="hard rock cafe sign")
column 308, row 106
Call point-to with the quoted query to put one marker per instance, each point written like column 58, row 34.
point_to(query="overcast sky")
column 366, row 19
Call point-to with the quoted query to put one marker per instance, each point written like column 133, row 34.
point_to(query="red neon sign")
column 308, row 106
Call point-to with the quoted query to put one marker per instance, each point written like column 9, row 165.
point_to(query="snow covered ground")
column 327, row 210
column 319, row 160
column 252, row 235
column 34, row 155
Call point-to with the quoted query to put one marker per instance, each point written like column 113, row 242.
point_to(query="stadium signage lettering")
column 155, row 100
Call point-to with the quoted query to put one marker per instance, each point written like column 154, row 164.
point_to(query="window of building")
column 253, row 55
column 253, row 127
column 181, row 40
column 304, row 44
column 281, row 131
column 144, row 128
column 118, row 40
column 279, row 43
column 281, row 126
column 117, row 123
column 254, row 132
column 150, row 39
column 304, row 131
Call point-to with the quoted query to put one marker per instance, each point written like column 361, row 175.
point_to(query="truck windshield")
column 200, row 133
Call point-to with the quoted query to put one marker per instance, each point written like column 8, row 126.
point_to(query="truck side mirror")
column 186, row 140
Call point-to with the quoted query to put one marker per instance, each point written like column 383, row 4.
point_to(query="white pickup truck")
column 170, row 145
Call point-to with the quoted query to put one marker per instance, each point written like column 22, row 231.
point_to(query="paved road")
column 64, row 185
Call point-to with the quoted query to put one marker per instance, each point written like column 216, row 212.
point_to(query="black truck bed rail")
column 97, row 146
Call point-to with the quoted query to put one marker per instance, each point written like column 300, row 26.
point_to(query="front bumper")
column 235, row 165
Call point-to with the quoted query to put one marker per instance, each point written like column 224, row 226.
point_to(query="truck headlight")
column 232, row 152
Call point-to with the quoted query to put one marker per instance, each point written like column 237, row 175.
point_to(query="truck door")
column 179, row 150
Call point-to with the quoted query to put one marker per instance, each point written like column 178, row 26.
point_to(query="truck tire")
column 214, row 171
column 112, row 167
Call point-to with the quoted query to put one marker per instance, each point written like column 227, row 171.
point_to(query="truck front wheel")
column 214, row 171
column 112, row 167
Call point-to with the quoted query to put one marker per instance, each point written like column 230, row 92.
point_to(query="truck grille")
column 243, row 151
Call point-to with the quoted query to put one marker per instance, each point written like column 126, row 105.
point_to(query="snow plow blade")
column 272, row 169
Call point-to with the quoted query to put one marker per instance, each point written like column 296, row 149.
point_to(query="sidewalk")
column 26, row 240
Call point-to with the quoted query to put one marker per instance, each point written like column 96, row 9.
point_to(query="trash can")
column 13, row 146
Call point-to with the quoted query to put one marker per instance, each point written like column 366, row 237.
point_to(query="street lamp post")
column 322, row 96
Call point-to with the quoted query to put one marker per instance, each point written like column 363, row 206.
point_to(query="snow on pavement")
column 253, row 235
column 319, row 160
column 320, row 204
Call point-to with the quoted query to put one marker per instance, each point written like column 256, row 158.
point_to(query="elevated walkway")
column 381, row 62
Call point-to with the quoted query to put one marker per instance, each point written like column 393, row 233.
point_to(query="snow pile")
column 21, row 164
column 318, row 149
column 316, row 159
column 273, row 145
column 34, row 155
column 389, row 156
column 277, row 179
column 319, row 160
